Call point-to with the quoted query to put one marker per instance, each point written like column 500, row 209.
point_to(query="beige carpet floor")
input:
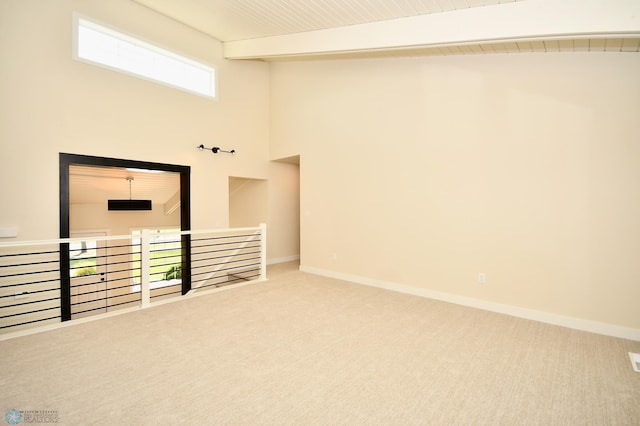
column 305, row 350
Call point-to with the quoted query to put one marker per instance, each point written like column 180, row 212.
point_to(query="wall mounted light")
column 215, row 149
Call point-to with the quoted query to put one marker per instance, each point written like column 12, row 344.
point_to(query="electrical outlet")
column 334, row 256
column 9, row 232
column 481, row 278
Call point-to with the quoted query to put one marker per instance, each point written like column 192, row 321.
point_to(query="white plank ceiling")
column 242, row 21
column 95, row 185
column 539, row 46
column 230, row 20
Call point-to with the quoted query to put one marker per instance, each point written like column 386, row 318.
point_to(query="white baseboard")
column 515, row 311
column 283, row 259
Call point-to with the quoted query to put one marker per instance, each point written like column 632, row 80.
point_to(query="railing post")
column 263, row 252
column 145, row 269
column 65, row 283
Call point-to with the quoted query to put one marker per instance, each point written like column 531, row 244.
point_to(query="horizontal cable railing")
column 106, row 274
column 102, row 276
column 225, row 259
column 29, row 284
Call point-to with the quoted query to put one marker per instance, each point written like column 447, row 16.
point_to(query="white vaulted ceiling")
column 231, row 20
column 273, row 29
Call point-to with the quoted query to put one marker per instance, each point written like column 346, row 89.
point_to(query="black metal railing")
column 111, row 273
column 110, row 283
column 29, row 284
column 220, row 260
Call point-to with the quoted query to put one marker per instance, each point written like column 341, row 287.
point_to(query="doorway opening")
column 88, row 274
column 78, row 263
column 248, row 202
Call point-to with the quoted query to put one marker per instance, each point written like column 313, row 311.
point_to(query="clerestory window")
column 106, row 47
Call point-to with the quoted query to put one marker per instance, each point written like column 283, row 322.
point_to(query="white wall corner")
column 283, row 259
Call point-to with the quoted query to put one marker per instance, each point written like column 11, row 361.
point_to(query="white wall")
column 51, row 103
column 284, row 213
column 426, row 171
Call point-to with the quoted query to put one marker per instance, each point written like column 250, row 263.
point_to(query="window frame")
column 154, row 48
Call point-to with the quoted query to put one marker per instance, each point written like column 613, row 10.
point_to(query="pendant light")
column 130, row 204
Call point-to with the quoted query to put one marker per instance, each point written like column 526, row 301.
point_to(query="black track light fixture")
column 215, row 149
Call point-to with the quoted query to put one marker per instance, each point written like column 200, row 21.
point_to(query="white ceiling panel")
column 597, row 45
column 303, row 29
column 581, row 45
column 230, row 20
column 630, row 45
column 96, row 185
column 551, row 46
column 565, row 45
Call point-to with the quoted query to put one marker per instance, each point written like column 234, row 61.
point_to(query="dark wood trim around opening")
column 67, row 160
